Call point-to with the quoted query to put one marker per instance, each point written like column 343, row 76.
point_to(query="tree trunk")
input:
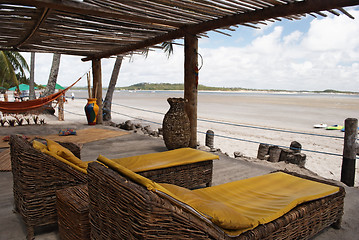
column 32, row 77
column 50, row 88
column 111, row 88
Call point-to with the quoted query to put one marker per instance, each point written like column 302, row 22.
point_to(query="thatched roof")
column 101, row 28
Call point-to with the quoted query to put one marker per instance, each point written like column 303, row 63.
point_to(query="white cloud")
column 292, row 38
column 327, row 56
column 333, row 34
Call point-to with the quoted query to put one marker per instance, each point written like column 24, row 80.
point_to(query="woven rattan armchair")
column 36, row 178
column 123, row 209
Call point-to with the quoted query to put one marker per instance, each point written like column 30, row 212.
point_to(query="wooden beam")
column 37, row 25
column 97, row 87
column 191, row 84
column 349, row 152
column 277, row 11
column 91, row 10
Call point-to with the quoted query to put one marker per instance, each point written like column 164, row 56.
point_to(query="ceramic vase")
column 176, row 125
column 91, row 110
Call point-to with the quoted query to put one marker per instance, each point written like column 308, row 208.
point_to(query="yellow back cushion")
column 83, row 170
column 63, row 152
column 38, row 145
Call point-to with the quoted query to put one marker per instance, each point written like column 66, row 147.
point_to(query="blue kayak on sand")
column 343, row 129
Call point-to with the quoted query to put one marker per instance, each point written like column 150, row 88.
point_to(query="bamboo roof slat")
column 102, row 28
column 345, row 12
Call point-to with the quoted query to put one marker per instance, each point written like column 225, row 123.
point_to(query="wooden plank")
column 191, row 84
column 87, row 9
column 289, row 9
column 97, row 87
column 37, row 25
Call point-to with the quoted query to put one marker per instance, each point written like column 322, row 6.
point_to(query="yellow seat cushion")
column 143, row 181
column 261, row 199
column 165, row 159
column 218, row 212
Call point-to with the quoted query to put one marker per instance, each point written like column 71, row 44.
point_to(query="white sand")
column 281, row 111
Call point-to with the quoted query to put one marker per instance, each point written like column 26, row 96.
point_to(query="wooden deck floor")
column 225, row 170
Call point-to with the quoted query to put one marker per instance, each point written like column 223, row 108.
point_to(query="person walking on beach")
column 73, row 96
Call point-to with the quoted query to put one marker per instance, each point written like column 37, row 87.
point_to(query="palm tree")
column 106, row 109
column 51, row 83
column 12, row 63
column 111, row 88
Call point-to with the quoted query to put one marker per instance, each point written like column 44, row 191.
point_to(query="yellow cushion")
column 65, row 153
column 38, row 145
column 241, row 205
column 218, row 212
column 149, row 184
column 265, row 198
column 65, row 161
column 165, row 159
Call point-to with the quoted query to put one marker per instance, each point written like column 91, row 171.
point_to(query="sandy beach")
column 241, row 121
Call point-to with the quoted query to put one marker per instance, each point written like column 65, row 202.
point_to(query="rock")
column 109, row 123
column 216, row 150
column 153, row 133
column 238, row 154
column 160, row 131
column 298, row 159
column 138, row 125
column 296, row 146
column 204, row 148
column 129, row 125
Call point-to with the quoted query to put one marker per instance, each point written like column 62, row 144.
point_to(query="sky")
column 309, row 54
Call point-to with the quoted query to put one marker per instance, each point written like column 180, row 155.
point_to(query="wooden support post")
column 191, row 84
column 263, row 150
column 97, row 87
column 210, row 139
column 349, row 151
column 60, row 108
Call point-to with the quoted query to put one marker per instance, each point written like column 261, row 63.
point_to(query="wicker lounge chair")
column 37, row 176
column 120, row 208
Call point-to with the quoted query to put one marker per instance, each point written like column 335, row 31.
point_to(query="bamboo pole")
column 191, row 84
column 97, row 87
column 89, row 84
column 349, row 151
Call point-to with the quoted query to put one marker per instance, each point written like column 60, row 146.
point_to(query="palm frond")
column 168, row 48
